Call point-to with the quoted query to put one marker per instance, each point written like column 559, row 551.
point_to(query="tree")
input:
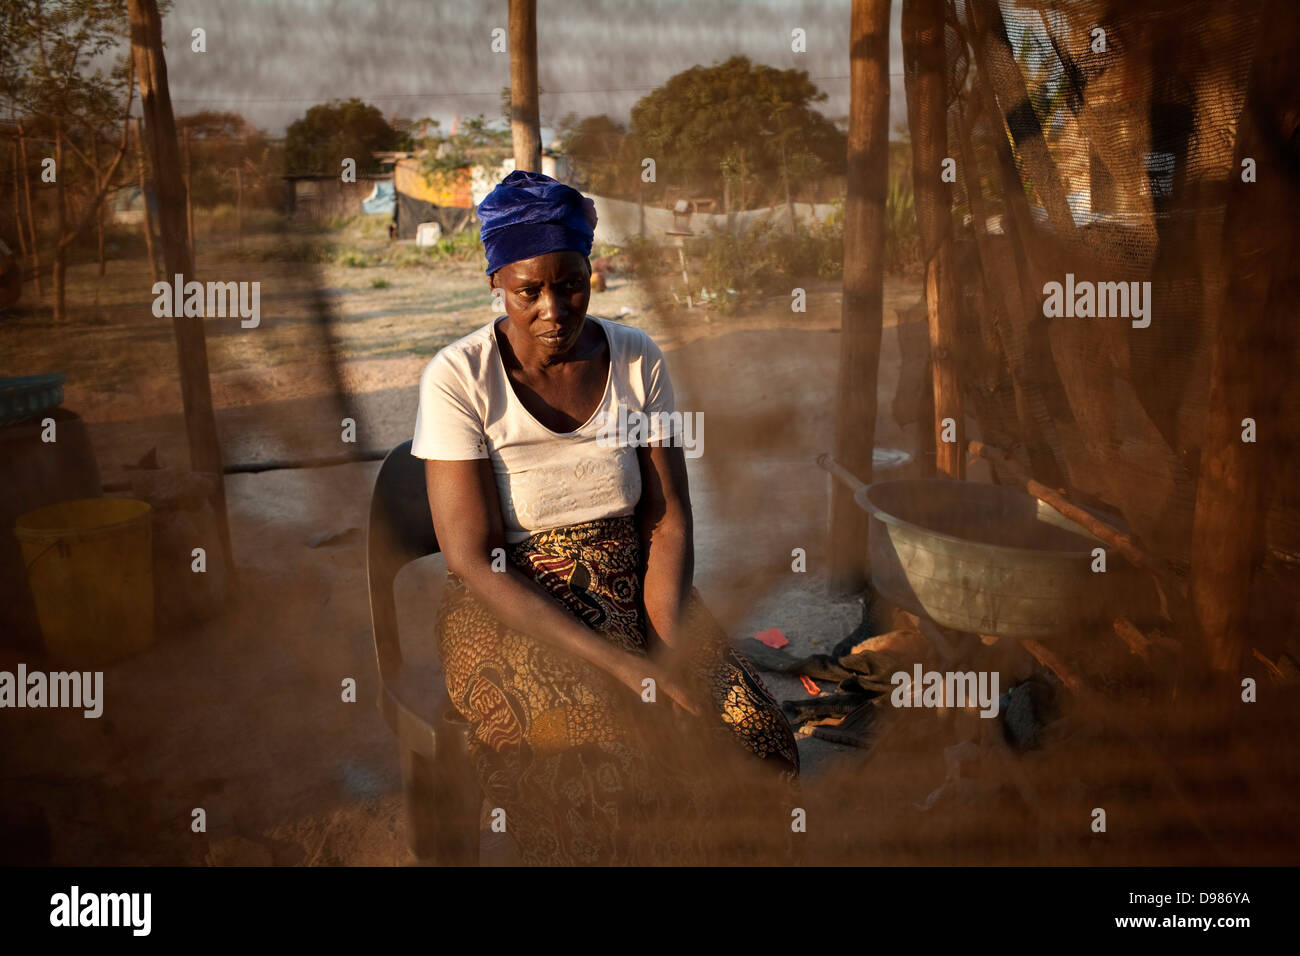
column 332, row 132
column 220, row 143
column 59, row 75
column 55, row 59
column 601, row 154
column 473, row 143
column 750, row 117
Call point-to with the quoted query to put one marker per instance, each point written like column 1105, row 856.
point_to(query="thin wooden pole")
column 31, row 218
column 239, row 208
column 189, row 196
column 1019, row 228
column 99, row 206
column 525, row 125
column 863, row 301
column 144, row 201
column 1134, row 639
column 61, row 225
column 923, row 53
column 785, row 183
column 742, row 178
column 996, row 302
column 191, row 345
column 18, row 204
column 239, row 192
column 1251, row 354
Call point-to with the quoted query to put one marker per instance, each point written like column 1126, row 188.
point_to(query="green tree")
column 220, row 143
column 331, row 132
column 57, row 59
column 601, row 154
column 709, row 127
column 444, row 154
column 64, row 76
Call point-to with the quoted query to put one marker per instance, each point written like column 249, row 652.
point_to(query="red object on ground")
column 773, row 638
column 809, row 685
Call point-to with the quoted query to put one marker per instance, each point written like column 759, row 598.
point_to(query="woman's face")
column 546, row 298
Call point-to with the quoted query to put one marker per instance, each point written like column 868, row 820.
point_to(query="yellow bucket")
column 89, row 565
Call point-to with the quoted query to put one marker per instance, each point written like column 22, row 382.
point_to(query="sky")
column 272, row 59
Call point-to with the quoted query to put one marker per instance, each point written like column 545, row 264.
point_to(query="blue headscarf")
column 529, row 214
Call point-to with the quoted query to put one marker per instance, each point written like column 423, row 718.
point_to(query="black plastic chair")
column 442, row 796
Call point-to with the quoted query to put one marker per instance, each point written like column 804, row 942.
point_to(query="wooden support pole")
column 1018, row 225
column 1002, row 339
column 525, row 124
column 144, row 201
column 99, row 205
column 785, row 183
column 949, row 418
column 60, row 277
column 189, row 196
column 239, row 191
column 18, row 204
column 863, row 301
column 927, row 107
column 1253, row 348
column 191, row 344
column 31, row 218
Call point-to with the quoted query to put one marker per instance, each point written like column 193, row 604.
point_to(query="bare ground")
column 242, row 716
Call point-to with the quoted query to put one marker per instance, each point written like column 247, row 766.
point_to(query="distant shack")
column 318, row 198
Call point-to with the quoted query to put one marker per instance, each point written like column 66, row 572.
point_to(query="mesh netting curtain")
column 1098, row 141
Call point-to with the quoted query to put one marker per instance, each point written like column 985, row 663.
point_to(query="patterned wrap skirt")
column 586, row 771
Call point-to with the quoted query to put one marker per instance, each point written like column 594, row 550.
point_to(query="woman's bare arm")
column 466, row 514
column 667, row 539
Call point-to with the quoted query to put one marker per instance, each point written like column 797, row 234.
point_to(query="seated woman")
column 570, row 556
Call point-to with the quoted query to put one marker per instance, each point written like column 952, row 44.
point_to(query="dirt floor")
column 243, row 717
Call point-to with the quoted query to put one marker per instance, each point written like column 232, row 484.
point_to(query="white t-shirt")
column 468, row 410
